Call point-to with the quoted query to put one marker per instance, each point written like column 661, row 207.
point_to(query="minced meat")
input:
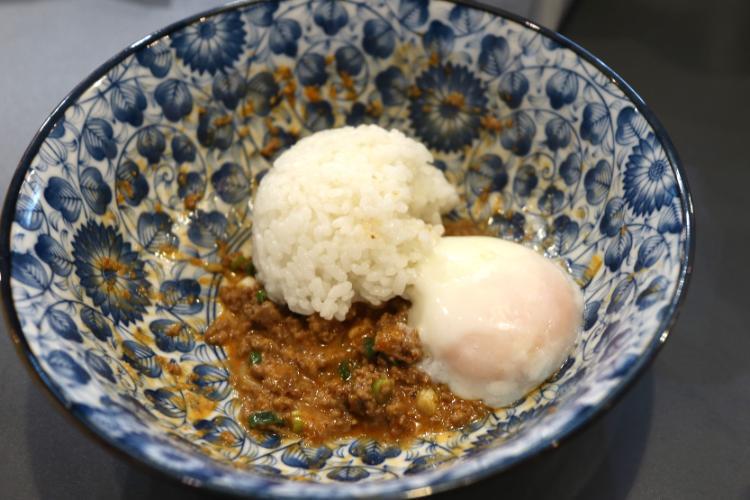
column 326, row 379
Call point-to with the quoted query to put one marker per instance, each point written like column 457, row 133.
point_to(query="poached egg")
column 495, row 318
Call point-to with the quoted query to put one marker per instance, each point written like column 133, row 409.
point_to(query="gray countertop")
column 681, row 432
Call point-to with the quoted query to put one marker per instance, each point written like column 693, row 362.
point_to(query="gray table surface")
column 683, row 431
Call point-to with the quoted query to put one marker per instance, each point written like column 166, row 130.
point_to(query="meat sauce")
column 327, row 379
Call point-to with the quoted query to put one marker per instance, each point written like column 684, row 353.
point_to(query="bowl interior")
column 151, row 161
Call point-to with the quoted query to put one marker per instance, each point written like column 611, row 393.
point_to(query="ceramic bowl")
column 153, row 158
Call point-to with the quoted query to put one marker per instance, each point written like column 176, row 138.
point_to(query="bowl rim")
column 434, row 483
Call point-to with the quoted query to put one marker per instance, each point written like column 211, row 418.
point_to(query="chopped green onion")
column 256, row 357
column 238, row 263
column 297, row 423
column 345, row 370
column 250, row 268
column 382, row 389
column 368, row 346
column 264, row 419
column 261, row 296
column 242, row 264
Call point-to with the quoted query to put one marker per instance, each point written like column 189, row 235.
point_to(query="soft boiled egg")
column 495, row 318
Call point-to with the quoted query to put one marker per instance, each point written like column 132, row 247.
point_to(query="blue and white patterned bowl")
column 539, row 136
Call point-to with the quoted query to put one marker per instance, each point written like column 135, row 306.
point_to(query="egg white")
column 495, row 318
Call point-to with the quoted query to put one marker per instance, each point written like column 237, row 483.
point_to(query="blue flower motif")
column 111, row 272
column 28, row 270
column 98, row 365
column 570, row 169
column 131, row 185
column 171, row 336
column 513, row 87
column 231, row 183
column 206, row 228
column 357, row 114
column 157, row 58
column 446, row 111
column 630, row 125
column 494, row 54
column 525, row 181
column 489, row 175
column 379, row 39
column 349, row 60
column 621, row 294
column 58, row 130
column 96, row 323
column 413, row 13
column 63, row 365
column 212, row 381
column 166, row 402
column 614, row 217
column 98, row 137
column 591, row 314
column 29, row 212
column 509, row 225
column 311, row 69
column 331, row 16
column 261, row 13
column 174, row 98
column 597, row 182
column 53, row 254
column 155, row 232
column 551, row 200
column 348, row 473
column 649, row 184
column 278, row 141
column 595, row 123
column 650, row 252
column 262, row 93
column 392, row 85
column 151, row 144
column 142, row 358
column 215, row 129
column 213, row 44
column 562, row 88
column 564, row 234
column 306, row 457
column 284, row 36
column 518, row 137
column 128, row 103
column 180, row 296
column 183, row 149
column 465, row 19
column 319, row 115
column 558, row 134
column 438, row 39
column 62, row 324
column 219, row 429
column 653, row 293
column 191, row 184
column 229, row 88
column 94, row 190
column 618, row 249
column 62, row 196
column 670, row 220
column 372, row 452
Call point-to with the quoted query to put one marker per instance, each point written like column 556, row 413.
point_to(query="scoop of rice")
column 345, row 215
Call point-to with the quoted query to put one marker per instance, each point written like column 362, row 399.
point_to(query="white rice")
column 345, row 215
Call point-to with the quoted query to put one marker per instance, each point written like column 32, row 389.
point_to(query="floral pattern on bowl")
column 150, row 162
